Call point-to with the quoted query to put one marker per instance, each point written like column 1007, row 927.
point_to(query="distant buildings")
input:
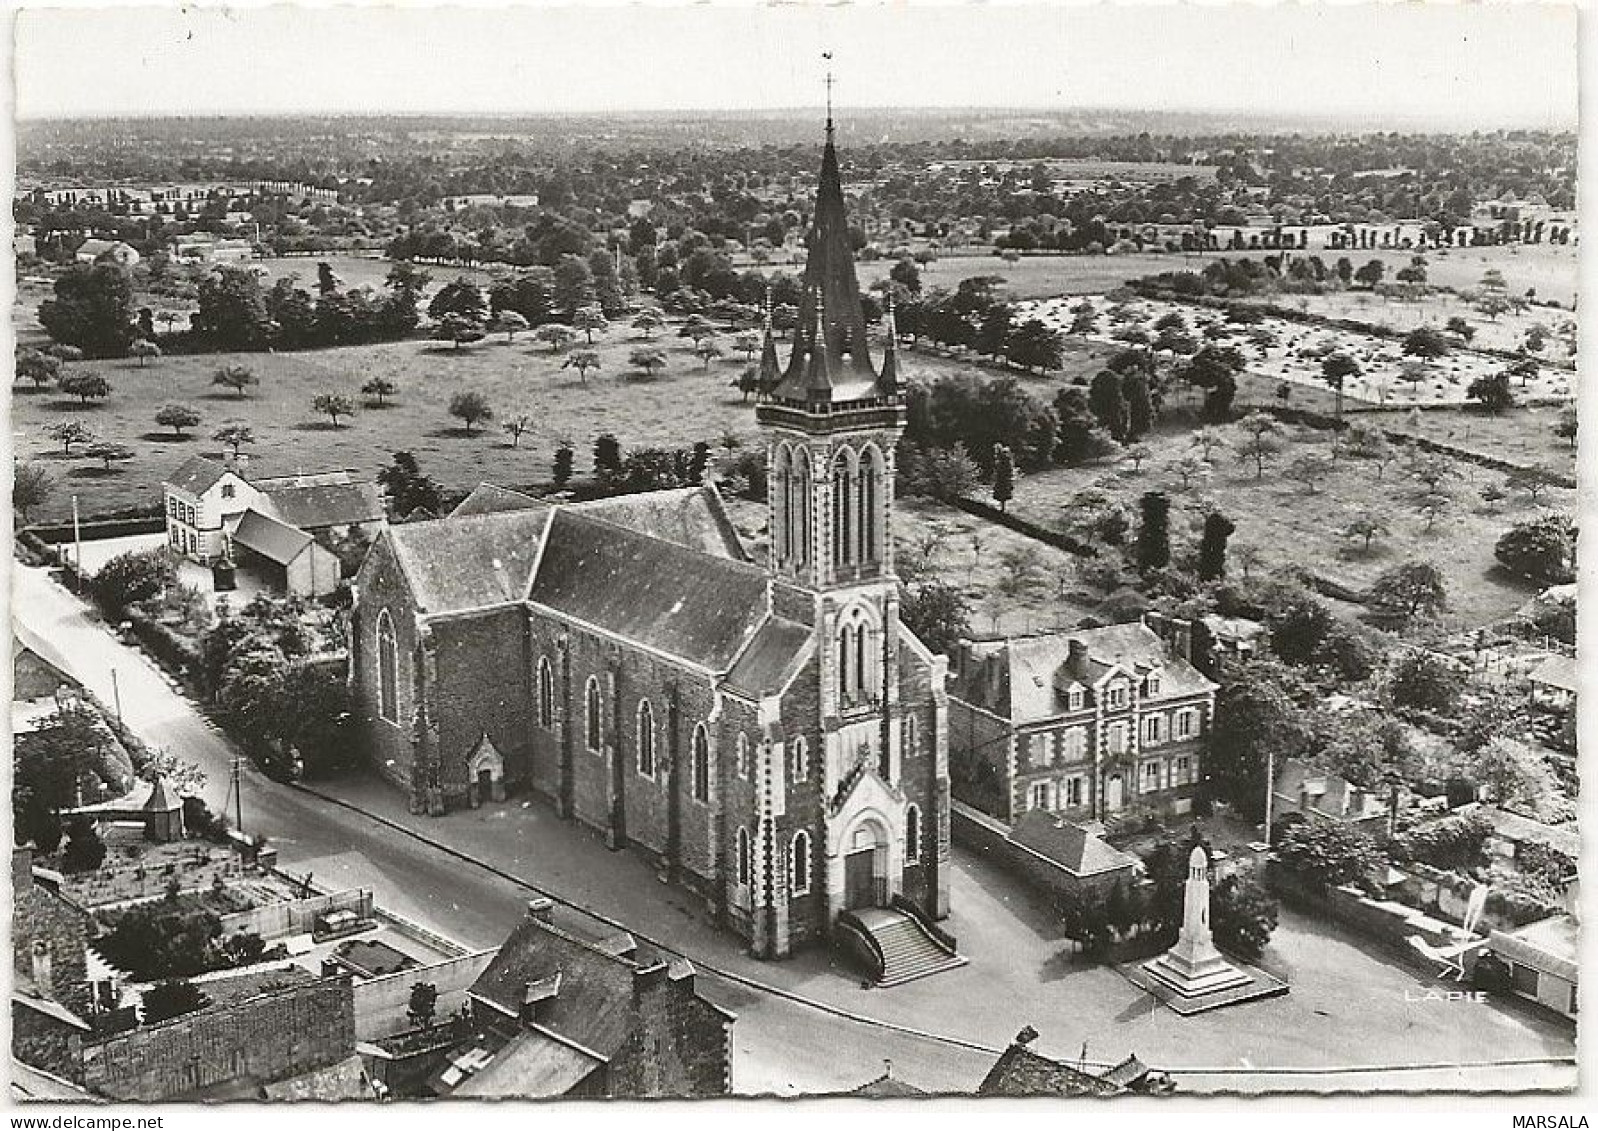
column 106, row 251
column 1312, row 792
column 1097, row 724
column 282, row 527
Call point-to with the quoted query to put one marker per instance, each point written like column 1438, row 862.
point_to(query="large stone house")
column 772, row 738
column 1097, row 724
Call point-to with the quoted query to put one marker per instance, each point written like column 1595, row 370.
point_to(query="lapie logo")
column 1474, row 997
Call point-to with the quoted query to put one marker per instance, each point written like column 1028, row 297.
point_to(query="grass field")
column 683, row 404
column 1289, row 525
column 1553, row 271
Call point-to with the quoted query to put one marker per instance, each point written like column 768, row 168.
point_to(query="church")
column 773, row 739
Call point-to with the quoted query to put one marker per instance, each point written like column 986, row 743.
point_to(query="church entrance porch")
column 860, row 886
column 486, row 770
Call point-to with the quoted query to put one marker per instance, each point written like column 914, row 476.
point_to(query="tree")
column 647, row 358
column 1532, row 480
column 1258, row 448
column 707, row 349
column 1426, row 343
column 234, row 436
column 236, row 377
column 937, row 614
column 1139, row 405
column 1426, row 681
column 588, row 321
column 1371, row 444
column 85, row 850
column 1154, row 531
column 944, row 473
column 332, row 406
column 1514, row 773
column 516, row 425
column 1565, row 427
column 108, row 453
column 1189, row 468
column 1432, row 471
column 1107, row 399
column 1370, row 273
column 470, row 407
column 1255, row 721
column 381, row 388
column 31, row 486
column 1035, row 345
column 1367, row 525
column 562, row 472
column 171, row 998
column 509, row 323
column 1137, row 453
column 1410, row 591
column 1309, row 469
column 461, row 297
column 1542, row 547
column 1460, row 329
column 1492, row 391
column 91, row 310
column 84, row 386
column 423, row 1004
column 458, row 328
column 232, row 314
column 1336, row 369
column 409, row 490
column 1325, row 853
column 132, row 577
column 177, row 417
column 144, row 351
column 556, row 335
column 70, row 432
column 1003, row 476
column 607, row 456
column 582, row 360
column 1212, row 546
column 40, row 368
column 1207, row 440
column 648, row 322
column 748, row 344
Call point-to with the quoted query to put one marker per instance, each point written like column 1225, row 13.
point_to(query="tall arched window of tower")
column 781, row 513
column 799, row 509
column 844, row 509
column 857, row 657
column 872, row 478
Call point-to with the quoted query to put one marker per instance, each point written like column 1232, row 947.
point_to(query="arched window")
column 871, row 479
column 799, row 864
column 546, row 693
column 912, row 835
column 857, row 657
column 387, row 668
column 743, row 755
column 593, row 723
column 909, row 736
column 646, row 739
column 843, row 510
column 799, row 759
column 781, row 511
column 744, row 863
column 799, row 508
column 701, row 765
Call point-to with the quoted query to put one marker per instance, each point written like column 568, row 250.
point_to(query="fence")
column 382, row 1004
column 296, row 916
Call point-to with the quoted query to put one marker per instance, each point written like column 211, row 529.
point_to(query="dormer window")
column 1073, row 698
column 1151, row 686
column 227, row 490
column 1115, row 695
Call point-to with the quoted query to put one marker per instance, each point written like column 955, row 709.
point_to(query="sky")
column 1469, row 66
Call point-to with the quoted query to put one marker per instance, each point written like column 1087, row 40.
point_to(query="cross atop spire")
column 827, row 55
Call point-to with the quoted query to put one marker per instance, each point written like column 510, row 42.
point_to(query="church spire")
column 888, row 380
column 770, row 371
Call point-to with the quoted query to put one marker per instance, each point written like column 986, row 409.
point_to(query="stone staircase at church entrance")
column 901, row 947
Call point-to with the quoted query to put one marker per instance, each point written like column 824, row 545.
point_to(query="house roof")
column 1021, row 1072
column 273, row 540
column 161, row 799
column 1558, row 671
column 773, row 656
column 488, row 498
column 1551, row 945
column 470, row 562
column 687, row 604
column 1525, row 830
column 1022, row 687
column 592, row 1005
column 531, row 1065
column 196, row 475
column 342, row 1080
column 1329, row 794
column 30, row 1083
column 316, row 506
column 1067, row 844
column 886, row 1087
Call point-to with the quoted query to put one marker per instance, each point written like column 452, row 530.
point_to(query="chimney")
column 1077, row 658
column 542, row 910
column 43, row 972
column 21, row 869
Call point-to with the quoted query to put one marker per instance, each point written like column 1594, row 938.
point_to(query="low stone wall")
column 989, row 836
column 296, row 916
column 381, row 1003
column 1383, row 920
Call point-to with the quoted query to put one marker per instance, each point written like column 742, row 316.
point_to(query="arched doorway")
column 485, row 773
column 865, row 866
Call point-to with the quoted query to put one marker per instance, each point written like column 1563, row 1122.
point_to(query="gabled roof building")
column 772, row 737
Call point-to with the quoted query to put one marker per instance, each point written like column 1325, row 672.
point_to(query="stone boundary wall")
column 296, row 916
column 381, row 1003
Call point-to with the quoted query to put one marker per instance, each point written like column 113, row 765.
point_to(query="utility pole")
column 1270, row 791
column 116, row 694
column 77, row 544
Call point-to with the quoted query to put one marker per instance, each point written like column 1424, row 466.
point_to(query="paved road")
column 1348, row 1004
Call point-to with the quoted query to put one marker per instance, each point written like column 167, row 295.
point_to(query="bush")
column 171, row 998
column 1325, row 853
column 85, row 850
column 1543, row 547
column 130, row 578
column 1427, row 682
column 1457, row 843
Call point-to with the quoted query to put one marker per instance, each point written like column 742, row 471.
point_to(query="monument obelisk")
column 1193, row 967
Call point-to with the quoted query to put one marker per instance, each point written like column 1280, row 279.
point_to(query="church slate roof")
column 455, row 564
column 694, row 517
column 687, row 604
column 490, row 498
column 773, row 656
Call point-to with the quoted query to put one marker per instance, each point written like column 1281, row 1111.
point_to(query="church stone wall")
column 481, row 687
column 806, row 807
column 380, row 586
